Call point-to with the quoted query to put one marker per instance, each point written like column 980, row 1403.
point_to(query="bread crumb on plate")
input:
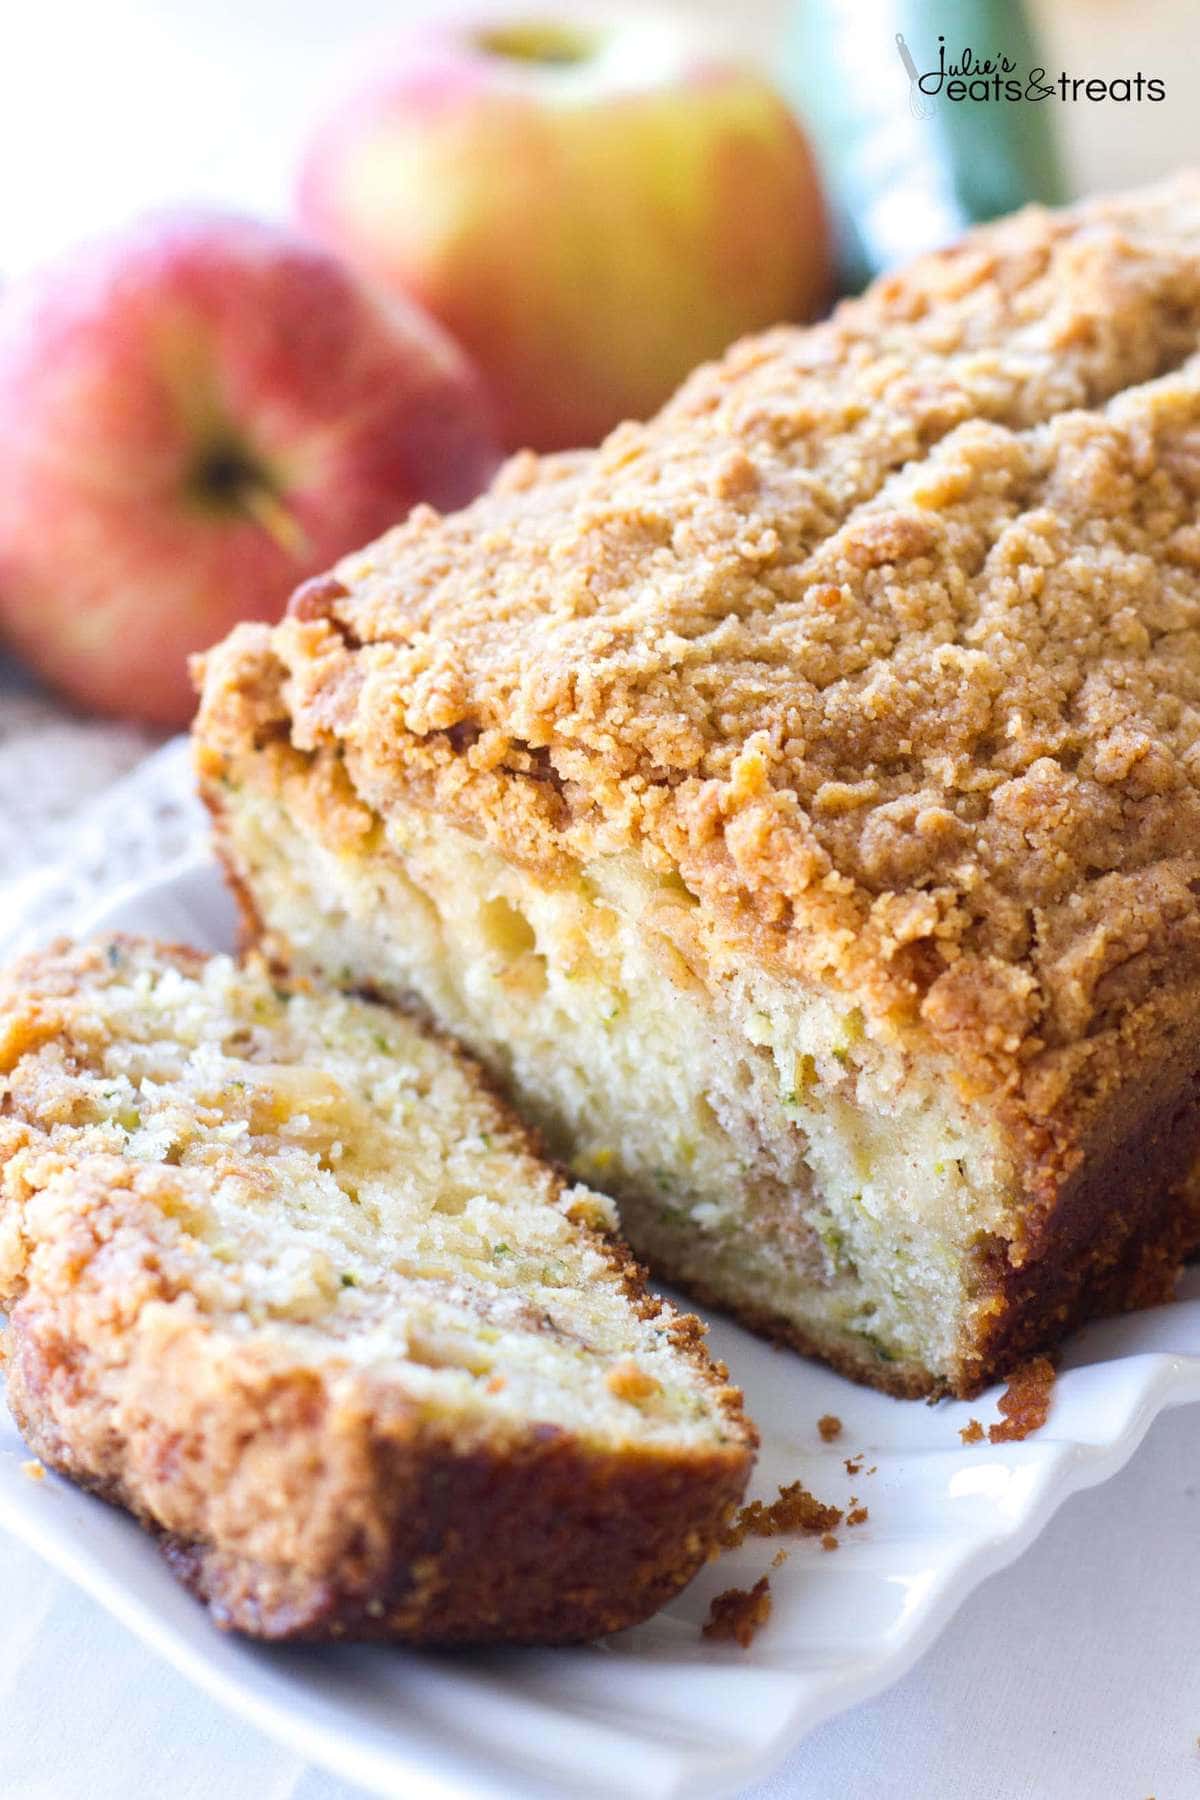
column 739, row 1613
column 793, row 1510
column 1025, row 1403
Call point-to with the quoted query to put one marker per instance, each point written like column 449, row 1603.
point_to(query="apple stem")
column 268, row 510
column 545, row 44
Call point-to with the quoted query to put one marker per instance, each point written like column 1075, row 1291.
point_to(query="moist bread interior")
column 331, row 1176
column 758, row 1141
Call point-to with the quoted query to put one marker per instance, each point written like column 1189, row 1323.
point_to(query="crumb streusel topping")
column 884, row 634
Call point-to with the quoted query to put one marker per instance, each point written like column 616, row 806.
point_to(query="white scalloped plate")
column 656, row 1712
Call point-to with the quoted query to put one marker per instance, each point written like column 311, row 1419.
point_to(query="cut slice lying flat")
column 284, row 1279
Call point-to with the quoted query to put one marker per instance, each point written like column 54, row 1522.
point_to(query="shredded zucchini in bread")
column 286, row 1280
column 764, row 1147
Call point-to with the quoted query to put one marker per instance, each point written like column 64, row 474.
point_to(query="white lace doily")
column 83, row 811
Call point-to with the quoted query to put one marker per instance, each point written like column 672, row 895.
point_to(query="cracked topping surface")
column 884, row 633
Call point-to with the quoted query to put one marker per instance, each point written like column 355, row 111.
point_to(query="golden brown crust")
column 1114, row 1229
column 437, row 1541
column 306, row 1497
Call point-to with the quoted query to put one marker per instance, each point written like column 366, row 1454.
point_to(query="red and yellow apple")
column 590, row 210
column 195, row 416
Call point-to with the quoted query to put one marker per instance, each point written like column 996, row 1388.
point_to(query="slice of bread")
column 286, row 1281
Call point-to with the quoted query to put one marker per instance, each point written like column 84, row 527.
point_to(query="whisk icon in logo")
column 918, row 104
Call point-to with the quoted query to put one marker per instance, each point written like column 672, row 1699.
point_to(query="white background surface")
column 1072, row 1677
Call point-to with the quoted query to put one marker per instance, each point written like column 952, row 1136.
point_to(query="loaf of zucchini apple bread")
column 286, row 1280
column 795, row 802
